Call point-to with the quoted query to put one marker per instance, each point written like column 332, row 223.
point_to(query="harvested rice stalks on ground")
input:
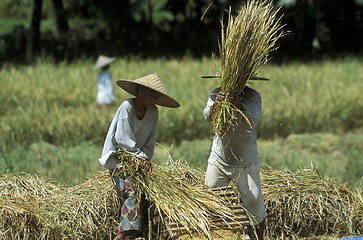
column 21, row 199
column 303, row 205
column 215, row 234
column 188, row 205
column 306, row 204
column 26, row 185
column 20, row 218
column 358, row 213
column 245, row 45
column 36, row 209
column 90, row 210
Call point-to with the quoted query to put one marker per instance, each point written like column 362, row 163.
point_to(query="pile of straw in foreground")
column 33, row 208
column 177, row 192
column 245, row 45
column 307, row 204
column 302, row 204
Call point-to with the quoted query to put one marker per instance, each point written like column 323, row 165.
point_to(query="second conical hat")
column 102, row 61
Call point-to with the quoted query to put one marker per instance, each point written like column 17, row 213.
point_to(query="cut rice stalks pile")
column 32, row 208
column 178, row 195
column 245, row 45
column 306, row 204
column 302, row 203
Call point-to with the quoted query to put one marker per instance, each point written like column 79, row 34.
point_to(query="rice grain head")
column 244, row 47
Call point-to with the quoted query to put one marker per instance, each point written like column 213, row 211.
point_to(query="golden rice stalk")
column 185, row 204
column 245, row 45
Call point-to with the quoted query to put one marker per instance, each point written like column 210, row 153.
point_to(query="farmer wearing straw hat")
column 133, row 130
column 105, row 95
column 234, row 156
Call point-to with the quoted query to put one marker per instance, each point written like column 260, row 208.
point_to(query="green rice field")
column 312, row 116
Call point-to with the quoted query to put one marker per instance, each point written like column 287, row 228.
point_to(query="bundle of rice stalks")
column 241, row 220
column 307, row 204
column 303, row 203
column 33, row 208
column 179, row 202
column 245, row 45
column 20, row 218
column 86, row 211
column 21, row 215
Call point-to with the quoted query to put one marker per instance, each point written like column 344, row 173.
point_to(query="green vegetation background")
column 312, row 116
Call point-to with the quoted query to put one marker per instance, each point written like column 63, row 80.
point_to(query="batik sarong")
column 131, row 215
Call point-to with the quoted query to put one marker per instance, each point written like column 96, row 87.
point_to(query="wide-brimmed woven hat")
column 153, row 82
column 102, row 61
column 218, row 75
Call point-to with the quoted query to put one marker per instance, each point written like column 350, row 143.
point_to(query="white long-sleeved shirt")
column 130, row 133
column 238, row 147
column 105, row 94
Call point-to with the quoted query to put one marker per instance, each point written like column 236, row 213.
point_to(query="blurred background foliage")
column 71, row 29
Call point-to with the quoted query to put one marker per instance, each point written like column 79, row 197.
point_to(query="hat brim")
column 131, row 87
column 104, row 63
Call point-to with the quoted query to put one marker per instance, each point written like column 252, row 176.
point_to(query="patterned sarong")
column 131, row 215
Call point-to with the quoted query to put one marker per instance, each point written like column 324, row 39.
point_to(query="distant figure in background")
column 133, row 129
column 105, row 95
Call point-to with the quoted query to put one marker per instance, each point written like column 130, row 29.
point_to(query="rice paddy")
column 63, row 111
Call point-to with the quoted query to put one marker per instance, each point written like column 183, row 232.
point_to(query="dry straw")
column 37, row 209
column 307, row 204
column 177, row 193
column 303, row 203
column 245, row 45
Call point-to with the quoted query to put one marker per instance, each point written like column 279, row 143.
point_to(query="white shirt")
column 130, row 133
column 105, row 93
column 238, row 147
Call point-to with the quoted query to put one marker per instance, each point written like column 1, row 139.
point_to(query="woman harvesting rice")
column 133, row 130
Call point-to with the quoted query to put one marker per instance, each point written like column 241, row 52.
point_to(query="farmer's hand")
column 220, row 97
column 236, row 101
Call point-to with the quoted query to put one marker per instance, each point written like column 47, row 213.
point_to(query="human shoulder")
column 247, row 91
column 216, row 90
column 214, row 93
column 127, row 104
column 125, row 109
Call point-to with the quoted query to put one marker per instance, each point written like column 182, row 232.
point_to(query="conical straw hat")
column 153, row 82
column 102, row 61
